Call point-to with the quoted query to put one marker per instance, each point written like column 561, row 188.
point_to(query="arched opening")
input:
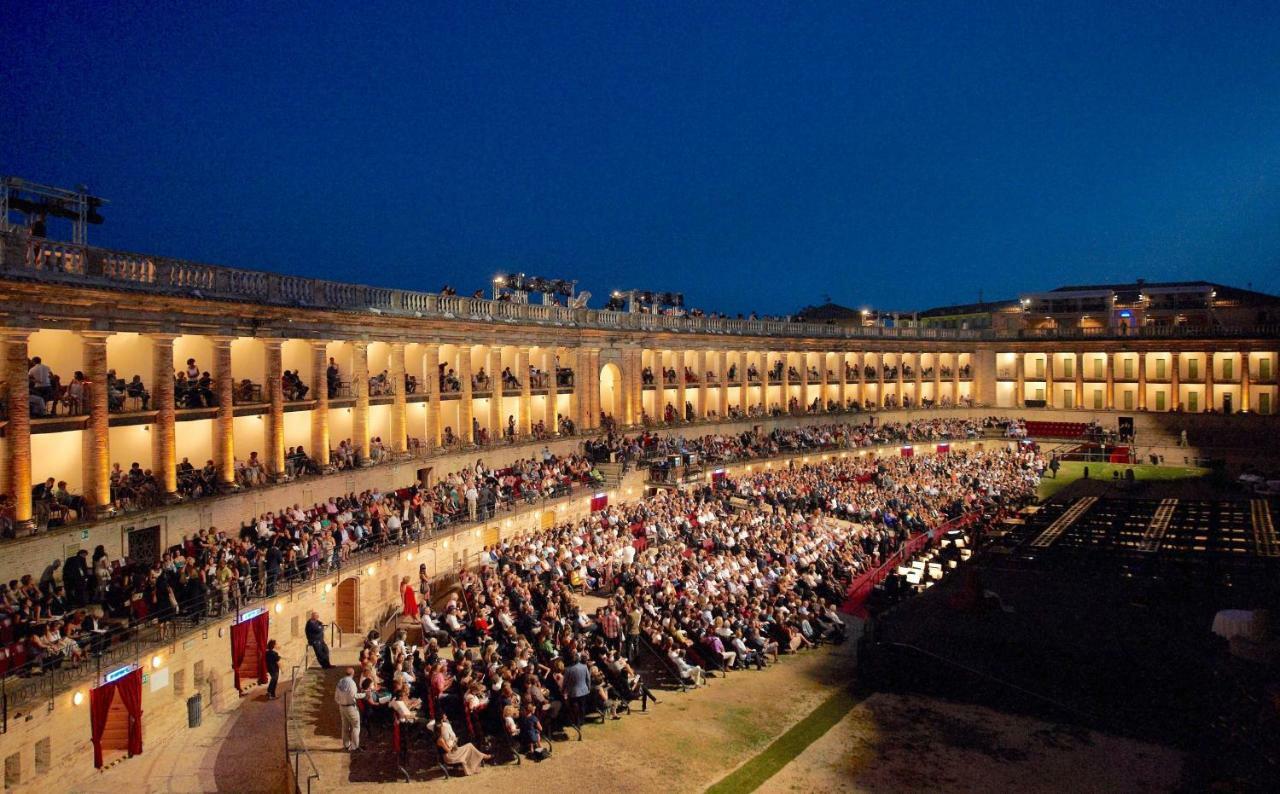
column 611, row 392
column 348, row 606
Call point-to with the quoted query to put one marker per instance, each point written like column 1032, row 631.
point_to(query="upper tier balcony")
column 23, row 257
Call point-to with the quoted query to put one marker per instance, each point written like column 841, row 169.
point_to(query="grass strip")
column 786, row 747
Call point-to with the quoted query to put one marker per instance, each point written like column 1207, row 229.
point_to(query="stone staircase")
column 612, row 474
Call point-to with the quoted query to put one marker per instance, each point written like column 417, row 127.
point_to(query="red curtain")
column 599, row 502
column 99, row 707
column 239, row 641
column 944, row 449
column 131, row 693
column 908, row 452
column 261, row 624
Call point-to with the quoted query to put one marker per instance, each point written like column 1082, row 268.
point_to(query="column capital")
column 16, row 333
column 95, row 337
column 221, row 340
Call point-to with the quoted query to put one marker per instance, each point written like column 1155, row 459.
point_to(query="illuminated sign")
column 116, row 675
column 251, row 614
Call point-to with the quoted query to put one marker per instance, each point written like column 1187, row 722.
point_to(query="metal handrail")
column 289, row 748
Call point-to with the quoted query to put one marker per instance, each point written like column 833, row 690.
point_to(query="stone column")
column 466, row 406
column 1245, row 403
column 164, row 440
column 589, row 363
column 275, row 409
column 1142, row 381
column 97, row 464
column 879, row 380
column 1208, row 381
column 525, row 416
column 955, row 378
column 1019, row 379
column 823, row 379
column 1175, row 402
column 224, row 426
column 1111, row 381
column 862, row 380
column 744, row 398
column 431, row 368
column 399, row 408
column 319, row 411
column 1079, row 378
column 497, row 423
column 18, row 431
column 573, row 360
column 1048, row 381
column 553, row 393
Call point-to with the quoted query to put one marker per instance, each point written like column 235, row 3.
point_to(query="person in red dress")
column 410, row 607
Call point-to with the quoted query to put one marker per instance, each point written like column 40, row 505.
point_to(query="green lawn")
column 786, row 747
column 1073, row 470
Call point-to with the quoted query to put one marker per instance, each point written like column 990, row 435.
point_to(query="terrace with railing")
column 34, row 258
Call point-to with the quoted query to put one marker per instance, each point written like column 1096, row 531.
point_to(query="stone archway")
column 611, row 392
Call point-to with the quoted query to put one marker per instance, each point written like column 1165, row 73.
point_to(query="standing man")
column 577, row 686
column 345, row 696
column 273, row 669
column 315, row 638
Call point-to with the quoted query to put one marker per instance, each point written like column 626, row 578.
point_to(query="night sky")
column 756, row 156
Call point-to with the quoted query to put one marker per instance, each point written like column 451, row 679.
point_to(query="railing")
column 297, row 747
column 38, row 258
column 37, row 681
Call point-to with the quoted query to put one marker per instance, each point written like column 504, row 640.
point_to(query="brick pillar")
column 804, row 381
column 901, row 377
column 1019, row 379
column 1142, row 381
column 919, row 357
column 18, row 431
column 399, row 408
column 431, row 368
column 320, row 411
column 496, row 420
column 1175, row 374
column 1208, row 381
column 525, row 418
column 824, row 380
column 224, row 426
column 97, row 464
column 360, row 386
column 682, row 389
column 1079, row 376
column 842, row 361
column 937, row 378
column 722, row 378
column 1244, row 380
column 466, row 404
column 275, row 408
column 553, row 393
column 1048, row 381
column 1111, row 381
column 164, row 441
column 879, row 380
column 862, row 380
column 700, row 369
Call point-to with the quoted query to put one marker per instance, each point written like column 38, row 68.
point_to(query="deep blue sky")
column 753, row 155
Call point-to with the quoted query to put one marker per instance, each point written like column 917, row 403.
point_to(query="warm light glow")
column 369, row 570
column 445, row 544
column 409, row 556
column 156, row 661
column 77, row 698
column 328, row 586
column 279, row 607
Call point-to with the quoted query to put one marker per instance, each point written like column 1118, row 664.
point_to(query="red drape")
column 131, row 693
column 239, row 641
column 99, row 707
column 599, row 502
column 261, row 625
